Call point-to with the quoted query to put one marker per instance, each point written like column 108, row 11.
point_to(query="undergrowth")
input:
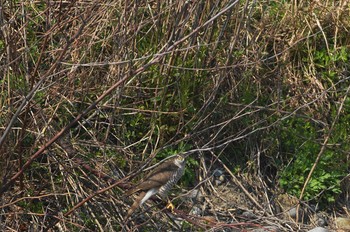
column 259, row 86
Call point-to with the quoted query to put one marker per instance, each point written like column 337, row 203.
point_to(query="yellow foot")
column 170, row 206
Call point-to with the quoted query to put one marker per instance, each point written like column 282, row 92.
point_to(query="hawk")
column 159, row 181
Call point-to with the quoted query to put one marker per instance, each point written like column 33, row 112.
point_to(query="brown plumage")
column 158, row 181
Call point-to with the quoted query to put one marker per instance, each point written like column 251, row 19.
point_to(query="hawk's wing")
column 155, row 179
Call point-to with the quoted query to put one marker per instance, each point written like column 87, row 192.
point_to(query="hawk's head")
column 179, row 160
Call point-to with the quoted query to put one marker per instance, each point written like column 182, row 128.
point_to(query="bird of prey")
column 158, row 181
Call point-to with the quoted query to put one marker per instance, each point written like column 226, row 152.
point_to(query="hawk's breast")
column 163, row 190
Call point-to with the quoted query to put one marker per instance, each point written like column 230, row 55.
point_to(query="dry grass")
column 93, row 92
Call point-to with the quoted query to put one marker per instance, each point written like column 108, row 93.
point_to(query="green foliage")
column 190, row 227
column 300, row 138
column 328, row 63
column 189, row 176
column 137, row 127
column 88, row 221
column 32, row 205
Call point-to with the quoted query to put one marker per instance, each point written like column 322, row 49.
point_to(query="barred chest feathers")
column 163, row 191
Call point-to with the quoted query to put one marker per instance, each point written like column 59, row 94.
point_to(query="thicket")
column 92, row 87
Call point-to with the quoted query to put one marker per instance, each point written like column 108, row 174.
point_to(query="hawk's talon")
column 170, row 206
